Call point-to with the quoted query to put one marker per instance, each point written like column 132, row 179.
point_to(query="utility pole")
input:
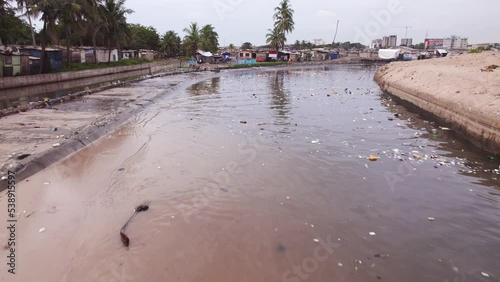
column 336, row 30
column 406, row 33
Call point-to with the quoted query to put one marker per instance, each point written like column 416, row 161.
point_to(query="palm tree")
column 276, row 38
column 3, row 10
column 27, row 8
column 171, row 43
column 70, row 13
column 283, row 17
column 48, row 9
column 231, row 47
column 96, row 24
column 209, row 38
column 113, row 13
column 192, row 39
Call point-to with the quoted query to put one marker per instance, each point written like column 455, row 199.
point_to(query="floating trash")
column 373, row 234
column 373, row 158
column 316, row 240
column 431, row 218
column 43, row 229
column 485, row 274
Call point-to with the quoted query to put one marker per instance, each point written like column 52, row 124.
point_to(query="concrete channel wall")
column 482, row 131
column 32, row 85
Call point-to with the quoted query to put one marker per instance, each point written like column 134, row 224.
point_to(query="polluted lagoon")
column 305, row 174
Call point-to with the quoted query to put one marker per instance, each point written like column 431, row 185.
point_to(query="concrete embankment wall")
column 25, row 86
column 480, row 129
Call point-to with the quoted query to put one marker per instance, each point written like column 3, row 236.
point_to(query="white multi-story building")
column 389, row 41
column 455, row 42
column 376, row 44
column 406, row 42
column 318, row 42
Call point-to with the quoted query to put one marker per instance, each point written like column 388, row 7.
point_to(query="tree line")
column 94, row 23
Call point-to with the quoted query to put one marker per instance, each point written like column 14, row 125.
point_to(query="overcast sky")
column 238, row 21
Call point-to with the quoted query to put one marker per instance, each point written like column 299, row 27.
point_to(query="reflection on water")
column 264, row 176
column 280, row 99
column 207, row 87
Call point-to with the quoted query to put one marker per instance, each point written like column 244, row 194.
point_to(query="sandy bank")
column 456, row 89
column 33, row 140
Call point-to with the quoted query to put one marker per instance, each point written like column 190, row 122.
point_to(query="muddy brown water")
column 262, row 175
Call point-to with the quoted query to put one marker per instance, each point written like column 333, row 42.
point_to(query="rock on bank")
column 462, row 90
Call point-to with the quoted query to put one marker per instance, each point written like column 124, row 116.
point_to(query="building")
column 390, row 41
column 376, row 44
column 128, row 54
column 320, row 54
column 54, row 58
column 455, row 42
column 246, row 57
column 14, row 64
column 393, row 41
column 147, row 54
column 433, row 43
column 406, row 41
column 318, row 42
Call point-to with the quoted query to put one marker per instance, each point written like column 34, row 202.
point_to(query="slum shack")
column 14, row 64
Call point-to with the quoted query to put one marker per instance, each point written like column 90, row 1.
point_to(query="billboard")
column 432, row 43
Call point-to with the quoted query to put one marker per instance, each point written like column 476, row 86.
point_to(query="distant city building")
column 318, row 42
column 433, row 43
column 389, row 41
column 376, row 44
column 406, row 41
column 455, row 42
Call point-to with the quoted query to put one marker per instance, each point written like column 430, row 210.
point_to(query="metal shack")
column 14, row 64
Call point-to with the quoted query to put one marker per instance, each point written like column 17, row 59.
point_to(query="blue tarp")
column 246, row 62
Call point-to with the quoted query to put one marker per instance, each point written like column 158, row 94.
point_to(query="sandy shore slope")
column 457, row 89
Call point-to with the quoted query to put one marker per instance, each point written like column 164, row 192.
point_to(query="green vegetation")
column 89, row 66
column 93, row 23
column 420, row 46
column 171, row 44
column 205, row 38
column 13, row 30
column 142, row 37
column 263, row 64
column 244, row 46
column 480, row 50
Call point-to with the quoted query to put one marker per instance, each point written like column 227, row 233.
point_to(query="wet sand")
column 34, row 139
column 263, row 175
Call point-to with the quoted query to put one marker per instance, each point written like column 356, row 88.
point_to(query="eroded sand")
column 457, row 80
column 457, row 89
